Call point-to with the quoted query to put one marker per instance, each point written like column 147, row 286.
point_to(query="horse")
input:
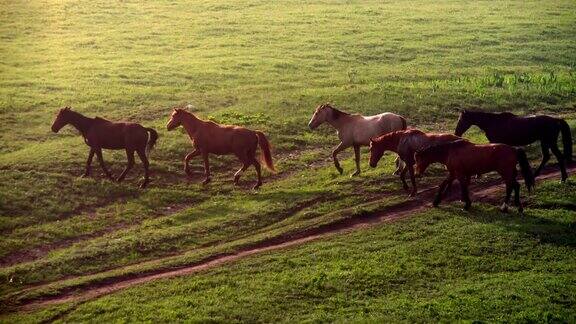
column 355, row 130
column 212, row 138
column 405, row 143
column 514, row 130
column 464, row 159
column 101, row 134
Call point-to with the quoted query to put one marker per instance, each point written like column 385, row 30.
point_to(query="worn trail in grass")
column 491, row 192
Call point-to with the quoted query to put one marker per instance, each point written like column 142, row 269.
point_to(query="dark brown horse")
column 212, row 138
column 405, row 143
column 464, row 159
column 101, row 134
column 515, row 130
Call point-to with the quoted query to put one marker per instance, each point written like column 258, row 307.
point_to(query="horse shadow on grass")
column 545, row 230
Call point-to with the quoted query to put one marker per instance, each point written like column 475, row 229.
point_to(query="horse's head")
column 175, row 119
column 62, row 119
column 464, row 123
column 377, row 149
column 320, row 115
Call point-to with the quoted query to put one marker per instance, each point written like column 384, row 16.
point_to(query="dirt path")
column 490, row 191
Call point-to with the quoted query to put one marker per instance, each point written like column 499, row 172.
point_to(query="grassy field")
column 443, row 264
column 267, row 65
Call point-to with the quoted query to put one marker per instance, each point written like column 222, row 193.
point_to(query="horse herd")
column 384, row 132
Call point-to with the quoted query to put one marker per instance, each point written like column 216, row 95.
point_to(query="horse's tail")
column 266, row 154
column 566, row 140
column 525, row 168
column 151, row 139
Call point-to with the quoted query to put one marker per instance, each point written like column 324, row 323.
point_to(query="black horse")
column 510, row 129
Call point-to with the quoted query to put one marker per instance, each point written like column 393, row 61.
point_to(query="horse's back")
column 226, row 139
column 116, row 135
column 366, row 127
column 389, row 122
column 470, row 159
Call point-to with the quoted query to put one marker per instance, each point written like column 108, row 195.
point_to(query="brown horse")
column 464, row 159
column 210, row 137
column 101, row 134
column 405, row 143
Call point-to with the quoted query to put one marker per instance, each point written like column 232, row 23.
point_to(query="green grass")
column 444, row 264
column 261, row 64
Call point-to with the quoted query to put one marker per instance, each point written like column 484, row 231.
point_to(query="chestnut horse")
column 210, row 137
column 464, row 159
column 515, row 130
column 101, row 134
column 405, row 143
column 356, row 130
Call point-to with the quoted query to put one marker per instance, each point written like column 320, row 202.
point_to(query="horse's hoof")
column 84, row 175
column 341, row 171
column 412, row 195
column 206, row 181
column 256, row 186
column 435, row 204
column 355, row 174
column 521, row 210
column 144, row 185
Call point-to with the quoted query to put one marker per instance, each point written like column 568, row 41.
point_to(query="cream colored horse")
column 355, row 130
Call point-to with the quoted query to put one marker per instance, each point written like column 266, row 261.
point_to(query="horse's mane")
column 485, row 114
column 443, row 147
column 335, row 112
column 396, row 133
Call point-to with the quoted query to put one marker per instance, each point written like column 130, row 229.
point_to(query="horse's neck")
column 394, row 143
column 192, row 125
column 339, row 123
column 485, row 120
column 81, row 123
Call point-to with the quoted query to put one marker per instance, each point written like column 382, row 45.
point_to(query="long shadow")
column 544, row 230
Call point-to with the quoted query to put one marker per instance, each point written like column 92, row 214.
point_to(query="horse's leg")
column 403, row 178
column 146, row 164
column 464, row 182
column 239, row 172
column 357, row 159
column 88, row 163
column 102, row 165
column 187, row 159
column 337, row 150
column 509, row 188
column 441, row 190
column 412, row 179
column 130, row 156
column 246, row 161
column 206, row 168
column 400, row 165
column 545, row 157
column 560, row 159
column 517, row 201
column 258, row 173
